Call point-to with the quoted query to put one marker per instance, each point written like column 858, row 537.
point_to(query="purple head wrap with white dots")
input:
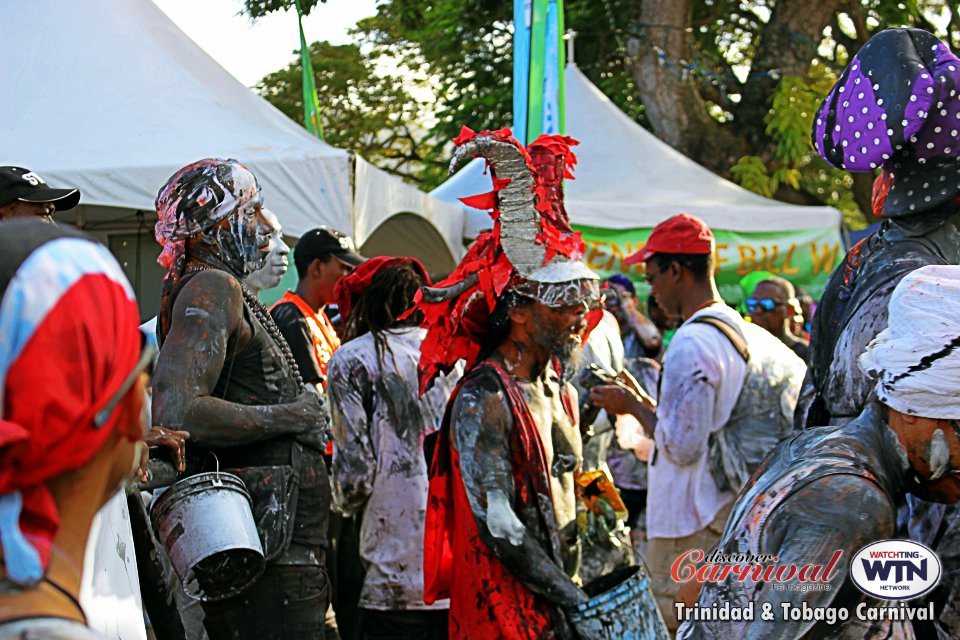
column 896, row 107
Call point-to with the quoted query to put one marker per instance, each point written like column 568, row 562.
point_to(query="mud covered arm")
column 835, row 513
column 207, row 318
column 481, row 425
column 354, row 461
column 810, row 530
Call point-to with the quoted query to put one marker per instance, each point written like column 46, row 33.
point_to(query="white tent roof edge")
column 627, row 178
column 117, row 114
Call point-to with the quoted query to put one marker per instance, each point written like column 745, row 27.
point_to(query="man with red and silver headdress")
column 501, row 538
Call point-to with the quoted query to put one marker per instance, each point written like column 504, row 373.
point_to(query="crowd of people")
column 471, row 458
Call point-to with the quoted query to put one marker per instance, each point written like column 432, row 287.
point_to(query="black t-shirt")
column 296, row 332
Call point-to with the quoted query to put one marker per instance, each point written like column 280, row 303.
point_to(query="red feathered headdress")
column 531, row 247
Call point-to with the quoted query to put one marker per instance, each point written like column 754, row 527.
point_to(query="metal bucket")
column 206, row 524
column 621, row 607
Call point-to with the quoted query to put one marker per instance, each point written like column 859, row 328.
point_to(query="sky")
column 250, row 51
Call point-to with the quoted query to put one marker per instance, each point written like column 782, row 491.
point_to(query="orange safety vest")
column 325, row 340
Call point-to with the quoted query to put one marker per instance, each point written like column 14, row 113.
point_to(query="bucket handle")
column 217, row 481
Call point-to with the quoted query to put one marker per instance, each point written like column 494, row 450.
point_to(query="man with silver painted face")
column 501, row 537
column 275, row 266
column 537, row 334
column 226, row 375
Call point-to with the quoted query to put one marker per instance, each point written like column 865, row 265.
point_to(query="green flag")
column 311, row 103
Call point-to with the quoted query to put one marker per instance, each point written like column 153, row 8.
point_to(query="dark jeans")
column 345, row 570
column 286, row 603
column 635, row 500
column 402, row 625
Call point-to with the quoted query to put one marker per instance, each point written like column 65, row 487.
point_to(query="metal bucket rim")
column 625, row 591
column 195, row 484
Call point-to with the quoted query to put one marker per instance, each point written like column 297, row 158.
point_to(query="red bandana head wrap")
column 354, row 283
column 71, row 340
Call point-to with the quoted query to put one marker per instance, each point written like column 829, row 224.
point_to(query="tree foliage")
column 733, row 84
column 372, row 113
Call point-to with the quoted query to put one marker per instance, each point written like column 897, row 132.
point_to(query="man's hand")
column 309, row 406
column 626, row 379
column 170, row 439
column 315, row 430
column 616, row 399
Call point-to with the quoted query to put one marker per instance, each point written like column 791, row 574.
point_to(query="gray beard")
column 568, row 355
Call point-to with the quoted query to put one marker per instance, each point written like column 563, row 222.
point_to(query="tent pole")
column 570, row 36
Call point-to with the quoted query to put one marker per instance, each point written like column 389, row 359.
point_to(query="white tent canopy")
column 111, row 97
column 627, row 178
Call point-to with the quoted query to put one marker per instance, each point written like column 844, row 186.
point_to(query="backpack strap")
column 732, row 334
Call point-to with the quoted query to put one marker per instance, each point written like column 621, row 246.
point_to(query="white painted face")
column 275, row 266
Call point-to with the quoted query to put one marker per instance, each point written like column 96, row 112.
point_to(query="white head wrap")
column 917, row 357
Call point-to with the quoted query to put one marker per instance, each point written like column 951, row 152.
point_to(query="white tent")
column 111, row 97
column 627, row 178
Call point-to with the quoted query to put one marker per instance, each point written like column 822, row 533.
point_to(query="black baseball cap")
column 324, row 241
column 23, row 185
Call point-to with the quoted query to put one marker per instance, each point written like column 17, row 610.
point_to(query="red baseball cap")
column 682, row 233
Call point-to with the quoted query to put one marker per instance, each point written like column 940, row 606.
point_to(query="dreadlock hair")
column 379, row 307
column 500, row 322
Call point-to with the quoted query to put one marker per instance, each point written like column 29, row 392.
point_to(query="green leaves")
column 751, row 173
column 790, row 119
column 372, row 111
column 421, row 68
column 259, row 8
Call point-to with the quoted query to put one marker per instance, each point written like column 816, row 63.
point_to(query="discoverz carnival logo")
column 887, row 570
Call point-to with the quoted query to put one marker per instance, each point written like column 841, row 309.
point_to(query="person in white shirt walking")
column 380, row 421
column 719, row 376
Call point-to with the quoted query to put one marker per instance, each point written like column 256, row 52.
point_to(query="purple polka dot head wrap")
column 896, row 107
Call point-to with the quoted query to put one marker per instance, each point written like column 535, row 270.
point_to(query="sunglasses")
column 766, row 304
column 148, row 350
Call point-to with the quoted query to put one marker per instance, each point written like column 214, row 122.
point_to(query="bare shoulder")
column 848, row 502
column 210, row 286
column 209, row 303
column 480, row 406
column 481, row 391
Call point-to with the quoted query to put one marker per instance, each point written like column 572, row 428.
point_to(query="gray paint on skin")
column 480, row 428
column 784, row 513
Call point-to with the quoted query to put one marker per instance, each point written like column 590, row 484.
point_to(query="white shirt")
column 701, row 381
column 379, row 423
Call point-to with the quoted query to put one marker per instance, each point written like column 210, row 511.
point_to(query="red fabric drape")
column 486, row 599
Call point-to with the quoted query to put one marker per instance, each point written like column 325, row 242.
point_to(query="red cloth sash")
column 486, row 599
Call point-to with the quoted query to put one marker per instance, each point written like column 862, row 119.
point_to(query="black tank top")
column 259, row 374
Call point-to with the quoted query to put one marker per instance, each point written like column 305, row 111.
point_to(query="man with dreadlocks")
column 501, row 539
column 379, row 425
column 226, row 375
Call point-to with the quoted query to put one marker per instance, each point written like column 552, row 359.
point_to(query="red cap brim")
column 644, row 254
